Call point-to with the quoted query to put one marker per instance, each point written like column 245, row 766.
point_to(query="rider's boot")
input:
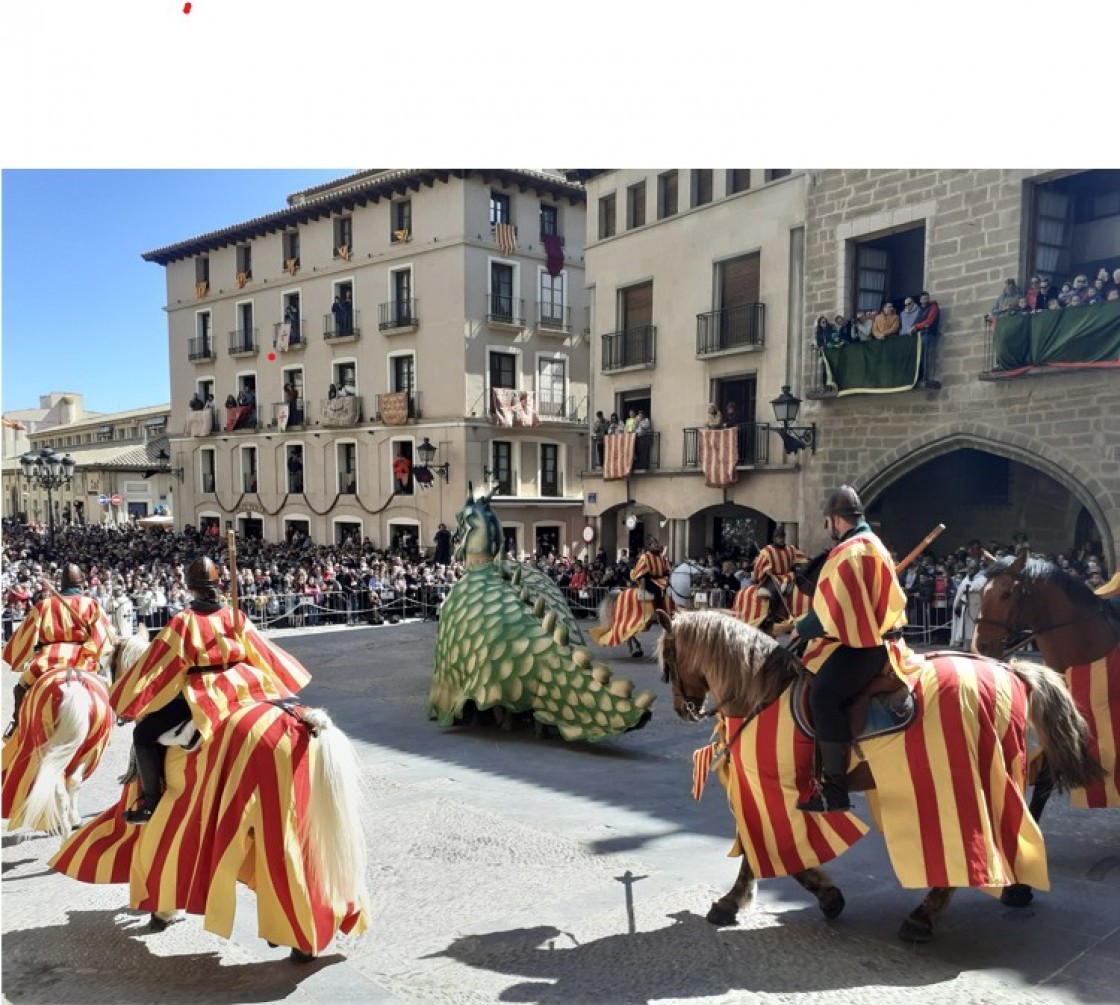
column 832, row 793
column 18, row 692
column 149, row 764
column 635, row 648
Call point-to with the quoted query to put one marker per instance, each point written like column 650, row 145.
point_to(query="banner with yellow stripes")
column 1095, row 688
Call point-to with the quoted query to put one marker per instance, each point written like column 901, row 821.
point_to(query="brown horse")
column 946, row 790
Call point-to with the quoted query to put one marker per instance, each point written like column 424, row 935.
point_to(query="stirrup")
column 140, row 812
column 824, row 802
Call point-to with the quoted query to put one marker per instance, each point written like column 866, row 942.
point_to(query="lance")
column 238, row 616
column 925, row 542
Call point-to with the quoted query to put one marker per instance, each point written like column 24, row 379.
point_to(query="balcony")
column 399, row 317
column 341, row 412
column 553, row 320
column 395, row 408
column 730, row 329
column 200, row 349
column 647, row 452
column 243, row 342
column 344, row 327
column 296, row 413
column 292, row 339
column 632, row 347
column 503, row 311
column 753, row 444
column 558, row 409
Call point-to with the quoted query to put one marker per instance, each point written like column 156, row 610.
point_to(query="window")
column 206, row 388
column 773, row 174
column 738, row 180
column 499, row 208
column 202, row 269
column 401, row 217
column 401, row 310
column 104, row 432
column 501, row 292
column 294, row 466
column 1074, row 225
column 701, row 186
column 342, row 321
column 346, row 376
column 636, row 303
column 550, row 469
column 209, row 468
column 552, row 385
column 244, row 263
column 607, row 212
column 503, row 370
column 501, row 466
column 293, row 318
column 291, row 251
column 347, row 458
column 202, row 327
column 636, row 205
column 888, row 267
column 292, row 377
column 551, row 301
column 666, row 194
column 401, row 452
column 402, row 377
column 248, row 469
column 737, row 294
column 550, row 219
column 245, row 335
column 343, row 237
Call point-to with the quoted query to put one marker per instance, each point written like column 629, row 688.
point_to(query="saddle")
column 885, row 706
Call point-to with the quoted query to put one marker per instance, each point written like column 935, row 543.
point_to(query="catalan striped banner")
column 234, row 810
column 506, row 237
column 750, row 606
column 719, row 455
column 777, row 561
column 58, row 632
column 1095, row 688
column 38, row 720
column 618, row 455
column 701, row 765
column 949, row 790
column 630, row 617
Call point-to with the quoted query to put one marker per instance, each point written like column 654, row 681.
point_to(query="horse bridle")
column 693, row 706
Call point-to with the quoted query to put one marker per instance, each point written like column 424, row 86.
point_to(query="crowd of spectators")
column 1042, row 294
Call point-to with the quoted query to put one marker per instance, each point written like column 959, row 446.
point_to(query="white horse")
column 680, row 582
column 273, row 799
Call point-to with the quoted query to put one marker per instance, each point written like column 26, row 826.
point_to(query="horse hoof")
column 831, row 903
column 1016, row 895
column 158, row 924
column 721, row 916
column 300, row 957
column 915, row 931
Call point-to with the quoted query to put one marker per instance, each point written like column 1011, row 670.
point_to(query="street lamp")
column 49, row 471
column 427, row 451
column 794, row 438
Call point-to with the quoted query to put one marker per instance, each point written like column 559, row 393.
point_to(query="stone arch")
column 921, row 449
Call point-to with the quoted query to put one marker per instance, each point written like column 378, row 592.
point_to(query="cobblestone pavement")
column 507, row 868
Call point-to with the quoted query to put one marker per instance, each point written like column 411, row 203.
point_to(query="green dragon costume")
column 507, row 641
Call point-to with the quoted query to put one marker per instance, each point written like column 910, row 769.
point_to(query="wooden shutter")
column 637, row 306
column 740, row 282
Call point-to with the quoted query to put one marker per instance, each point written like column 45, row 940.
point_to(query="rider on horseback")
column 66, row 629
column 652, row 571
column 207, row 659
column 853, row 629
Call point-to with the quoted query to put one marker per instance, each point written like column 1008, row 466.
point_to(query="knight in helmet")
column 207, row 659
column 853, row 632
column 776, row 561
column 64, row 629
column 652, row 571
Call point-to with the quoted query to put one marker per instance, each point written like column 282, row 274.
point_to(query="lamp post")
column 794, row 438
column 427, row 451
column 49, row 471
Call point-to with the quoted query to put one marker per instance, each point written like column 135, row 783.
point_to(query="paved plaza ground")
column 507, row 868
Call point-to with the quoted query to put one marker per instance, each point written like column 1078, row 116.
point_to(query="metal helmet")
column 73, row 577
column 780, row 531
column 843, row 502
column 203, row 574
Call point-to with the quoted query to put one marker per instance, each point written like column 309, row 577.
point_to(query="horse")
column 62, row 732
column 680, row 583
column 624, row 614
column 946, row 789
column 1076, row 632
column 272, row 800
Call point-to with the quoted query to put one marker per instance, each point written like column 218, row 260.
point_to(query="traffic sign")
column 116, row 500
column 103, row 500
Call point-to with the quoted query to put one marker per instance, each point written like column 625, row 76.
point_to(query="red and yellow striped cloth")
column 748, row 606
column 38, row 719
column 256, row 669
column 949, row 790
column 1095, row 688
column 618, row 455
column 719, row 456
column 630, row 616
column 234, row 810
column 777, row 561
column 71, row 631
column 858, row 600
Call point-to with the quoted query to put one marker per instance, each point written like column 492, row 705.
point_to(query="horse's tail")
column 606, row 608
column 45, row 806
column 1060, row 727
column 335, row 835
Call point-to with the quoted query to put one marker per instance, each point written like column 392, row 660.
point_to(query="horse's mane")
column 1039, row 570
column 744, row 665
column 130, row 649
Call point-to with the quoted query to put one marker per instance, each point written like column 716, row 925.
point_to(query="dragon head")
column 478, row 532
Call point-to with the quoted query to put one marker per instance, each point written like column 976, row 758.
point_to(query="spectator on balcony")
column 1064, row 294
column 1023, row 307
column 886, row 323
column 861, row 328
column 614, row 426
column 1053, row 305
column 1034, row 289
column 908, row 316
column 1115, row 284
column 824, row 335
column 632, row 421
column 843, row 328
column 1114, row 293
column 196, row 404
column 231, row 401
column 599, row 429
column 731, row 416
column 1094, row 292
column 291, row 399
column 1008, row 299
column 1045, row 292
column 643, row 430
column 295, row 472
column 332, row 392
column 714, row 419
column 291, row 319
column 342, row 391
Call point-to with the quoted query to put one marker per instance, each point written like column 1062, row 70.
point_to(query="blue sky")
column 81, row 309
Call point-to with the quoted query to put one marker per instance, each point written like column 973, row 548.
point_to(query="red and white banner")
column 719, row 456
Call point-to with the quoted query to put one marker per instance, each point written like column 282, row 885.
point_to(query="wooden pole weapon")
column 925, row 542
column 238, row 616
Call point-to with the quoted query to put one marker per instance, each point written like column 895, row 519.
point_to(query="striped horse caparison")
column 947, row 791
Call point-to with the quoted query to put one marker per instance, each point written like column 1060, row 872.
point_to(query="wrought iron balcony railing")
column 753, row 442
column 647, row 452
column 557, row 409
column 557, row 320
column 741, row 327
column 399, row 314
column 296, row 412
column 340, row 326
column 632, row 347
column 243, row 341
column 505, row 310
column 200, row 348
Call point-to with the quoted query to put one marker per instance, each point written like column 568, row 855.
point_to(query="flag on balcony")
column 400, row 235
column 507, row 239
column 291, row 266
column 282, row 415
column 502, row 401
column 344, row 252
column 283, row 337
column 618, row 455
column 242, row 279
column 525, row 410
column 200, row 289
column 554, row 253
column 393, row 407
column 719, row 455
